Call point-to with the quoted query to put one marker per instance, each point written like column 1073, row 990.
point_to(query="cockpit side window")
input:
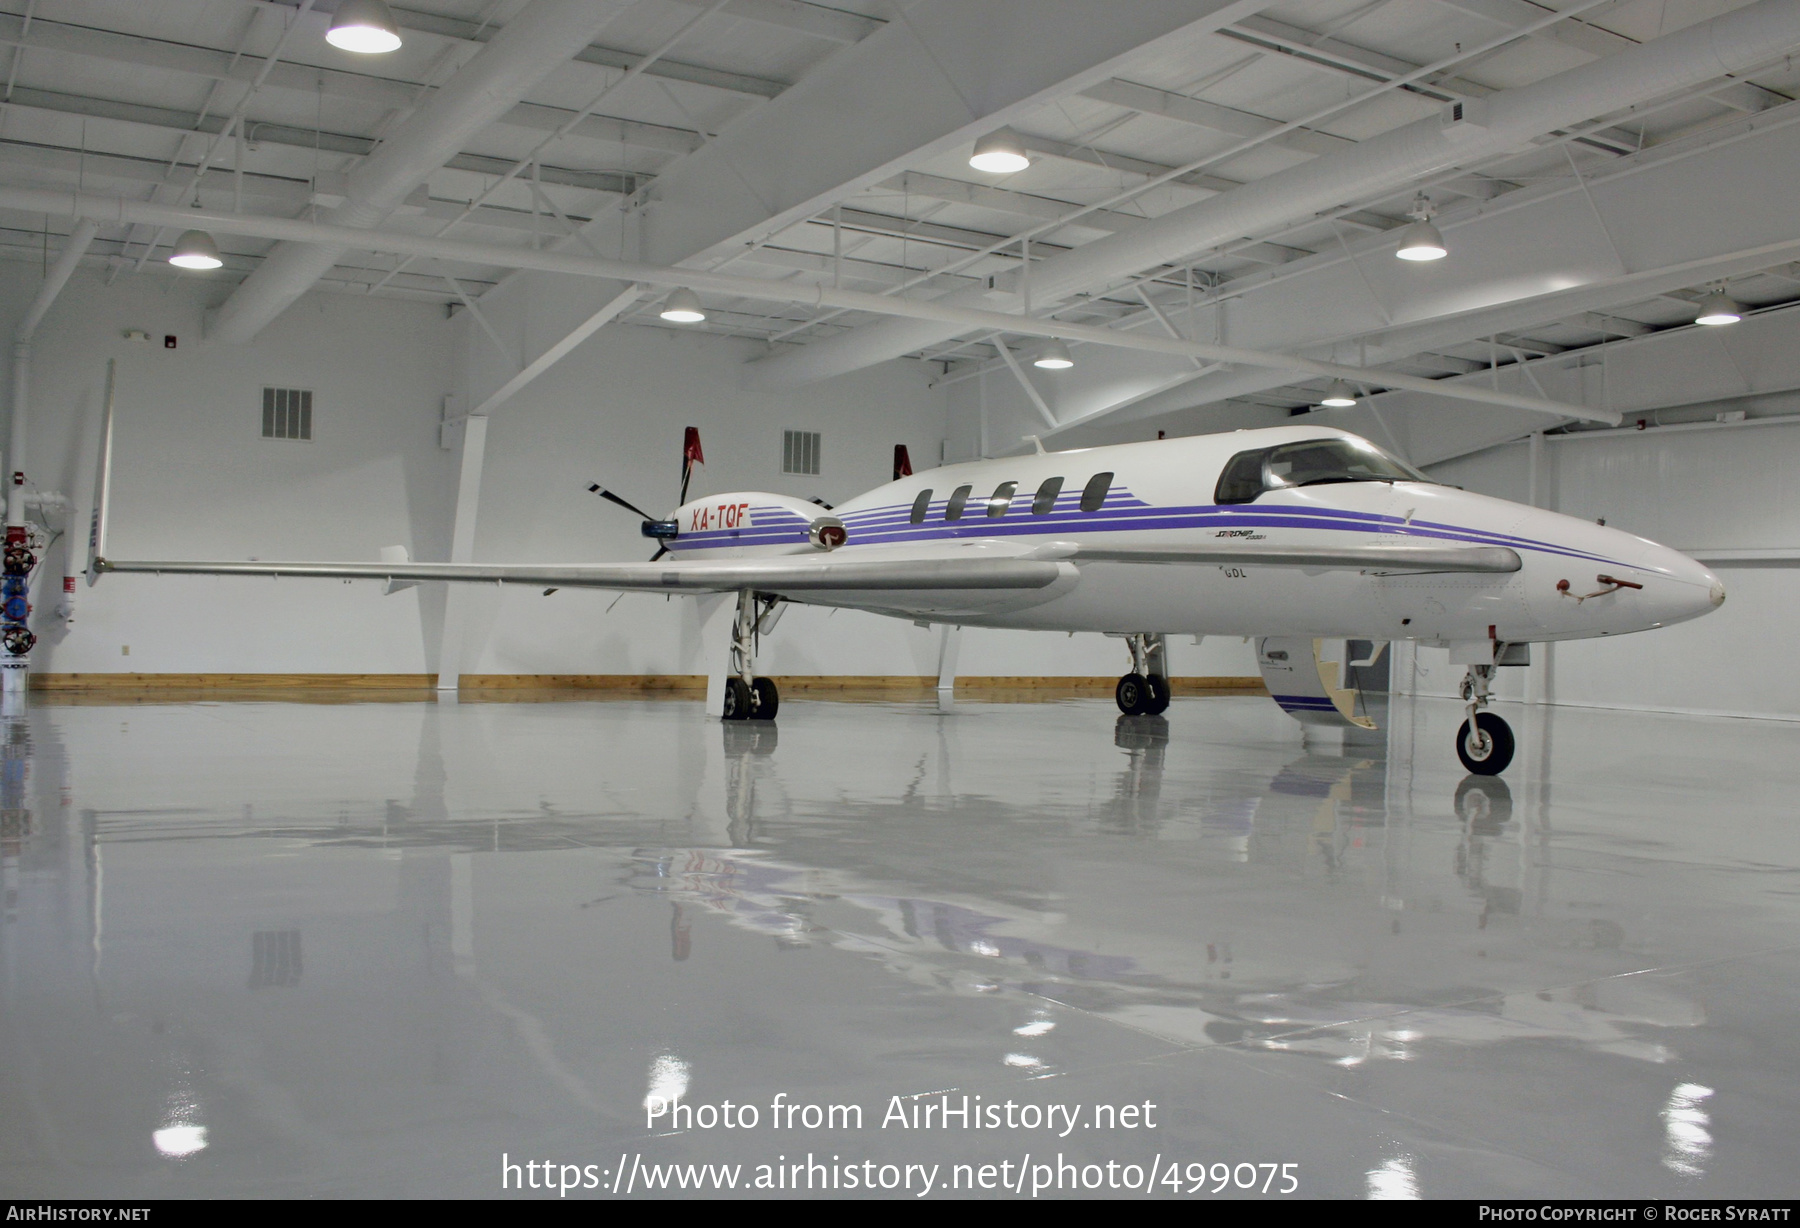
column 1044, row 502
column 921, row 505
column 1242, row 478
column 1308, row 462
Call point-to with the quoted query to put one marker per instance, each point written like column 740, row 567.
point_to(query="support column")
column 949, row 649
column 1538, row 688
column 462, row 550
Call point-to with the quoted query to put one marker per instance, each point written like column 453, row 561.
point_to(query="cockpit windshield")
column 1310, row 462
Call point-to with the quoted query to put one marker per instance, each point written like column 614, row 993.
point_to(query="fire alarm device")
column 169, row 341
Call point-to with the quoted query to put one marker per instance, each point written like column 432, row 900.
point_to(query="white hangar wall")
column 195, row 479
column 1699, row 488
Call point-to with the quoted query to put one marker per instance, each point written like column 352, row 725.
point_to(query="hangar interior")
column 304, row 896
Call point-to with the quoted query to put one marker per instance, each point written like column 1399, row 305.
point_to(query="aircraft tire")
column 1489, row 754
column 764, row 699
column 1133, row 695
column 1160, row 694
column 737, row 699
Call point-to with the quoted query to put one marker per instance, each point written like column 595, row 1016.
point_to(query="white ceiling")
column 126, row 97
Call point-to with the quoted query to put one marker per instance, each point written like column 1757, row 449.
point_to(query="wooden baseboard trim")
column 645, row 684
column 231, row 682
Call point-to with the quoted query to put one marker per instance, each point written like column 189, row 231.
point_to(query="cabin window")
column 1094, row 493
column 921, row 505
column 1045, row 501
column 959, row 499
column 1001, row 500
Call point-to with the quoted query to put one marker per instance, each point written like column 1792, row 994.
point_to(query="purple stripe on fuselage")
column 1121, row 513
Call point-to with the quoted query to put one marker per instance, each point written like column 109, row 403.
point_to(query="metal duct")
column 496, row 79
column 1728, row 44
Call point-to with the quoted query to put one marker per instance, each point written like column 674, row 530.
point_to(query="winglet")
column 102, row 487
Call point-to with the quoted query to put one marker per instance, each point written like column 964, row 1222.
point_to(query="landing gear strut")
column 1485, row 742
column 1145, row 690
column 748, row 697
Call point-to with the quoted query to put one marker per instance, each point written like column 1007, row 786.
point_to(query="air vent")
column 800, row 452
column 287, row 413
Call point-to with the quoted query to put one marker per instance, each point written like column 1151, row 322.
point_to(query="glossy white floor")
column 369, row 949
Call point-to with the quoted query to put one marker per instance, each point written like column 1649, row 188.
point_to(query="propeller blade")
column 660, row 551
column 608, row 495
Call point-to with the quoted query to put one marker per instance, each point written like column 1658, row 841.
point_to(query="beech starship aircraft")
column 1286, row 533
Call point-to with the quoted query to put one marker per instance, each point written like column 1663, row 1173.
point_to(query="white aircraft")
column 1297, row 531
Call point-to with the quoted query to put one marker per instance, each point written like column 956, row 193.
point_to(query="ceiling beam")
column 167, row 120
column 814, row 20
column 1147, row 100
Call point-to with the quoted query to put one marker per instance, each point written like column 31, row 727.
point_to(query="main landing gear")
column 1145, row 690
column 1485, row 742
column 747, row 697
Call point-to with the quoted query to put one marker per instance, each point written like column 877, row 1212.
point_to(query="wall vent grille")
column 800, row 452
column 287, row 413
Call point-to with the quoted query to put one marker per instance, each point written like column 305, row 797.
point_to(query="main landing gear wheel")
column 1485, row 745
column 747, row 697
column 1159, row 695
column 764, row 699
column 1134, row 695
column 737, row 699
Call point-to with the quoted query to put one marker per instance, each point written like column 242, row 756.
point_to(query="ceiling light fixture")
column 196, row 250
column 1055, row 357
column 1421, row 240
column 683, row 307
column 1719, row 308
column 1339, row 395
column 366, row 27
column 1000, row 153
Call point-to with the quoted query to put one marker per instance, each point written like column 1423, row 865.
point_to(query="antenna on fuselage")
column 1037, row 445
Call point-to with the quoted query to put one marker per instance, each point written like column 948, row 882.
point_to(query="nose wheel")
column 1145, row 690
column 1485, row 742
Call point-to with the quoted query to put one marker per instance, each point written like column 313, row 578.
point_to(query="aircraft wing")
column 784, row 574
column 1405, row 558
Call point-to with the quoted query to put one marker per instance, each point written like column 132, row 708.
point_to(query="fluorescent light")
column 683, row 307
column 196, row 250
column 365, row 27
column 1421, row 241
column 999, row 153
column 1055, row 357
column 1719, row 308
column 1339, row 395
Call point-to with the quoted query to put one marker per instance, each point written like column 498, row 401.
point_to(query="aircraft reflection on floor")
column 1332, row 809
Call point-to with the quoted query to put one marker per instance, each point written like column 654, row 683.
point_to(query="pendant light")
column 196, row 250
column 1719, row 308
column 683, row 307
column 1421, row 240
column 1000, row 153
column 1054, row 357
column 366, row 27
column 1339, row 395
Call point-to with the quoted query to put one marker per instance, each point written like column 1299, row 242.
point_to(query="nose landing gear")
column 1485, row 742
column 748, row 697
column 1145, row 690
